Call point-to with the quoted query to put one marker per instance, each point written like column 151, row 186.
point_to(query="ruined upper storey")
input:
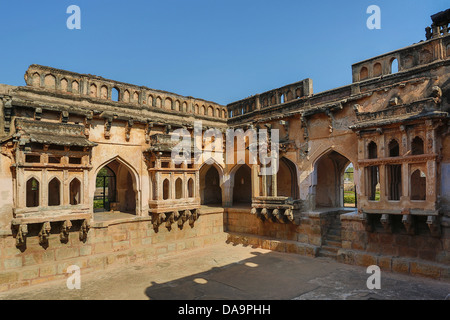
column 104, row 91
column 402, row 67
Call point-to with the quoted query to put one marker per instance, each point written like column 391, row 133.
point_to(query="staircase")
column 332, row 240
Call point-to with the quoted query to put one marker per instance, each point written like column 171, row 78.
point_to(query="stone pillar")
column 383, row 187
column 255, row 181
column 431, row 182
column 257, row 102
column 264, row 185
column 185, row 193
column 405, row 181
column 172, row 186
column 85, row 189
column 65, row 199
column 44, row 189
column 227, row 192
column 274, row 179
column 159, row 187
column 197, row 185
column 22, row 188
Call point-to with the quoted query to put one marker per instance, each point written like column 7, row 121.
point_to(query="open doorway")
column 105, row 190
column 350, row 194
column 329, row 183
column 242, row 189
column 115, row 191
column 210, row 186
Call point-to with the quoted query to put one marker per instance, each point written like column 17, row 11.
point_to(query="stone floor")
column 226, row 271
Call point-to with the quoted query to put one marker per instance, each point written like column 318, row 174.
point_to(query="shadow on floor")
column 281, row 276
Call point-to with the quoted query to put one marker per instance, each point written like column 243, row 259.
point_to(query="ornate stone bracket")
column 280, row 215
column 87, row 124
column 178, row 217
column 330, row 115
column 128, row 129
column 108, row 123
column 304, row 126
column 148, row 130
column 85, row 226
column 44, row 234
column 434, row 225
column 157, row 220
column 409, row 224
column 21, row 237
column 170, row 219
column 66, row 226
column 183, row 218
column 366, row 221
column 285, row 125
column 64, row 116
column 7, row 111
column 38, row 114
column 386, row 222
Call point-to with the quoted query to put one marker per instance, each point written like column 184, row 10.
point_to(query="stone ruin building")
column 87, row 178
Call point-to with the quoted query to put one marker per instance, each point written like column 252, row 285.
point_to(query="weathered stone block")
column 12, row 263
column 29, row 273
column 385, row 263
column 103, row 247
column 425, row 269
column 85, row 250
column 277, row 246
column 346, row 244
column 47, row 270
column 400, row 265
column 66, row 253
column 345, row 256
column 8, row 277
column 365, row 260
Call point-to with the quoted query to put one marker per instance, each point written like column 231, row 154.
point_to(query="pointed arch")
column 32, row 192
column 287, row 179
column 54, row 192
column 128, row 197
column 241, row 181
column 75, row 191
column 328, row 179
column 211, row 182
column 394, row 148
column 191, row 190
column 418, row 185
column 417, row 146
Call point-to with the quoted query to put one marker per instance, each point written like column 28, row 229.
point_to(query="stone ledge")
column 105, row 224
column 287, row 246
column 352, row 216
column 409, row 266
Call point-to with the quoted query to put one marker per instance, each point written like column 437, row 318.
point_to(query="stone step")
column 334, row 232
column 329, row 248
column 333, row 237
column 327, row 254
column 337, row 244
column 336, row 224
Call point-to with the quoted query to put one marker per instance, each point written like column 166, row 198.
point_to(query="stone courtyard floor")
column 226, row 271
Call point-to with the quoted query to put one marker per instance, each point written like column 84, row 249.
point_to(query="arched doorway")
column 287, row 183
column 242, row 189
column 329, row 180
column 116, row 189
column 350, row 195
column 105, row 189
column 210, row 185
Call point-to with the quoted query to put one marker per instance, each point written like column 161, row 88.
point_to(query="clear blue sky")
column 217, row 50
